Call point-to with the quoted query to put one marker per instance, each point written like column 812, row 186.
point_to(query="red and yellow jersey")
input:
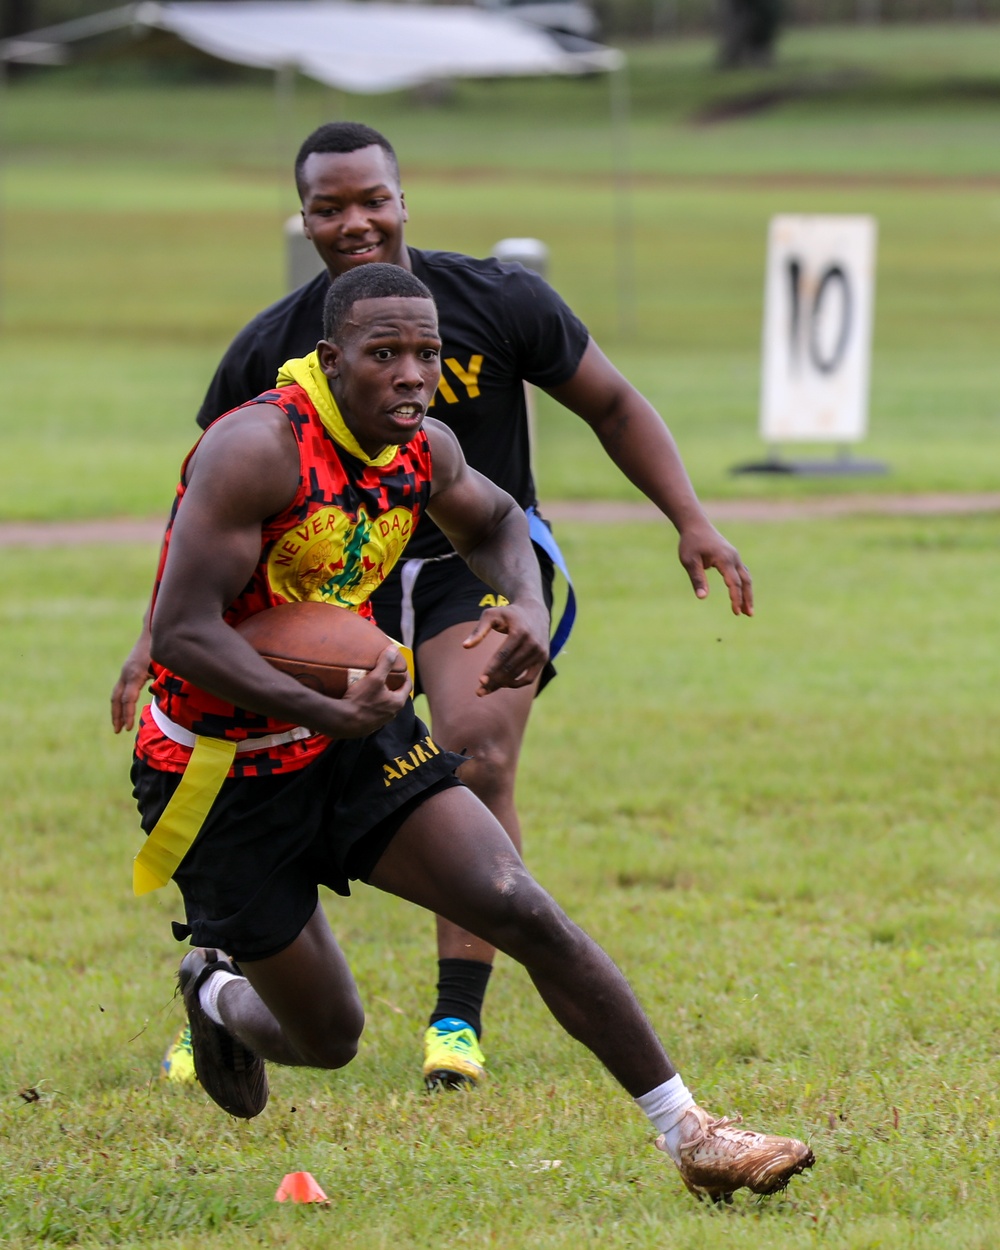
column 335, row 543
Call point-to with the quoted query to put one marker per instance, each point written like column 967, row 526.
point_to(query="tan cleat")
column 716, row 1159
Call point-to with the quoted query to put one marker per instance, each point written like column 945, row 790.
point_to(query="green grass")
column 783, row 829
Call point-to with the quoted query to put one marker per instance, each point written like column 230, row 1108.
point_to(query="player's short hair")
column 374, row 280
column 343, row 137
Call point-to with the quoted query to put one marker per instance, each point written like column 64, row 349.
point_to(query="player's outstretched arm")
column 490, row 532
column 244, row 470
column 132, row 680
column 637, row 440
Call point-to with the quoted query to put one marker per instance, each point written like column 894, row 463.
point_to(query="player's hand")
column 131, row 682
column 525, row 651
column 702, row 547
column 369, row 702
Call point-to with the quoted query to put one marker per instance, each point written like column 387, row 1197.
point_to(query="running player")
column 310, row 790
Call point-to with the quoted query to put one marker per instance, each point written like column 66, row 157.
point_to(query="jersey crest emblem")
column 331, row 557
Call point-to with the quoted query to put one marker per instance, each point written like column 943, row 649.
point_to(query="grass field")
column 783, row 829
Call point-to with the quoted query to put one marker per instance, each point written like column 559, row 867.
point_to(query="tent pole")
column 624, row 242
column 3, row 199
column 284, row 118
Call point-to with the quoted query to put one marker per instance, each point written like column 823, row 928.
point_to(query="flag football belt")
column 542, row 537
column 211, row 759
column 185, row 738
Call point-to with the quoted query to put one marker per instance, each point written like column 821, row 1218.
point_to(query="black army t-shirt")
column 500, row 324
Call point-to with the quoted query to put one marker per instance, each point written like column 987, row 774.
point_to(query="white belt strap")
column 407, row 580
column 185, row 738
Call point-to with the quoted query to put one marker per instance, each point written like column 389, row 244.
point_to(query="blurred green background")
column 143, row 225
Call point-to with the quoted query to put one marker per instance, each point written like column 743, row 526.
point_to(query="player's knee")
column 329, row 1052
column 530, row 922
column 491, row 768
column 334, row 1048
column 332, row 1040
column 546, row 931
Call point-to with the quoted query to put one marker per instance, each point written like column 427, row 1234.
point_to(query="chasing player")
column 311, row 790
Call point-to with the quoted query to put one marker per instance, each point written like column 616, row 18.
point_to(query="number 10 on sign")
column 818, row 304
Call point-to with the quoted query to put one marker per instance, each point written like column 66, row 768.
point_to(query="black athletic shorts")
column 249, row 881
column 446, row 592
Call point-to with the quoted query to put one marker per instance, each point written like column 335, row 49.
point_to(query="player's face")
column 384, row 369
column 353, row 209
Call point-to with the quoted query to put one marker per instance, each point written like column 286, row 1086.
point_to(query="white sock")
column 666, row 1107
column 208, row 993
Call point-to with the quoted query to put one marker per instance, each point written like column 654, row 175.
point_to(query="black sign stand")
column 844, row 465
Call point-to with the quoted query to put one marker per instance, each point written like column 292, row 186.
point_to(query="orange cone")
column 300, row 1187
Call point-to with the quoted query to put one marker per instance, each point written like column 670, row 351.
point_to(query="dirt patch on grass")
column 598, row 512
column 723, row 510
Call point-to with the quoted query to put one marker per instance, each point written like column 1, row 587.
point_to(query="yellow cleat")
column 177, row 1063
column 452, row 1056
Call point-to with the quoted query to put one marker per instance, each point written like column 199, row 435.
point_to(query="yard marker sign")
column 818, row 303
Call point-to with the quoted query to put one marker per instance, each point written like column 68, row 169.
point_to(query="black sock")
column 461, row 990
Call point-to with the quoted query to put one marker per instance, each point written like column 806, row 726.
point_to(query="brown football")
column 323, row 646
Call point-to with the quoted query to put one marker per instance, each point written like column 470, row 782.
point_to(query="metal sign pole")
column 624, row 242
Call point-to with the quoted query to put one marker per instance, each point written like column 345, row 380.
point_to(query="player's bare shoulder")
column 251, row 451
column 256, row 427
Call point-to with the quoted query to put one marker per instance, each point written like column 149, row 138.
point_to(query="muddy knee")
column 529, row 925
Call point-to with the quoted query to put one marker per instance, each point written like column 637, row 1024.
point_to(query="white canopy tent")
column 356, row 47
column 378, row 47
column 361, row 48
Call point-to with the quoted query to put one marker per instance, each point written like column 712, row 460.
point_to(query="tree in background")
column 17, row 16
column 747, row 32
